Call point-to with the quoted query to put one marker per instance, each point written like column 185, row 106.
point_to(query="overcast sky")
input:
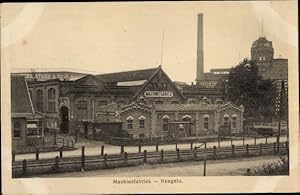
column 112, row 37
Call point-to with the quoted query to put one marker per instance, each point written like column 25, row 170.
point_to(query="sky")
column 113, row 36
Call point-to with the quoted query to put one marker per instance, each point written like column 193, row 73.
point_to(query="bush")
column 280, row 167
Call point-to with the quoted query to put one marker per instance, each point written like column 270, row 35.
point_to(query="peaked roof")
column 135, row 75
column 184, row 107
column 20, row 99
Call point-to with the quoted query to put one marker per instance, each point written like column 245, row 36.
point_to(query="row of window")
column 186, row 118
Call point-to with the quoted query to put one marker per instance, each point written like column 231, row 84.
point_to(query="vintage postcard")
column 150, row 97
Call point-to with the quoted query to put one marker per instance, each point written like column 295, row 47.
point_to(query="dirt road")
column 229, row 167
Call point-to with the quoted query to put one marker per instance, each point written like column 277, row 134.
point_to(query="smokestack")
column 200, row 66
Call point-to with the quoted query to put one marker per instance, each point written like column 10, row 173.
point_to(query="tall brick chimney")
column 200, row 66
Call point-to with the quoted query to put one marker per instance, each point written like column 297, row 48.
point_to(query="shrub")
column 280, row 167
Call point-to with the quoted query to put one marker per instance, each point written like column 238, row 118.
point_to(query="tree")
column 246, row 87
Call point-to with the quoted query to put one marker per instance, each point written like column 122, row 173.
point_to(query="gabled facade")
column 179, row 120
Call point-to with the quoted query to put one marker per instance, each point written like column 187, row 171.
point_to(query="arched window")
column 165, row 123
column 129, row 122
column 142, row 121
column 39, row 100
column 51, row 93
column 206, row 117
column 234, row 117
column 17, row 129
column 226, row 120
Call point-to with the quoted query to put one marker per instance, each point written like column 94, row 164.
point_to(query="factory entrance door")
column 64, row 123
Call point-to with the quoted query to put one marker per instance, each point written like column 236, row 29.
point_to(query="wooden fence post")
column 260, row 148
column 218, row 142
column 215, row 151
column 37, row 154
column 243, row 140
column 204, row 167
column 255, row 140
column 178, row 157
column 102, row 150
column 145, row 156
column 156, row 147
column 61, row 152
column 176, row 146
column 247, row 149
column 195, row 153
column 54, row 141
column 125, row 157
column 105, row 160
column 140, row 148
column 232, row 150
column 122, row 149
column 24, row 167
column 205, row 145
column 230, row 140
column 56, row 166
column 162, row 155
column 248, row 172
column 82, row 158
column 266, row 139
column 191, row 145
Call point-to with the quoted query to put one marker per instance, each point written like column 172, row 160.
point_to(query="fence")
column 103, row 161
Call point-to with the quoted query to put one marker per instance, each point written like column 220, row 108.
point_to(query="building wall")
column 230, row 113
column 136, row 131
column 19, row 142
column 211, row 123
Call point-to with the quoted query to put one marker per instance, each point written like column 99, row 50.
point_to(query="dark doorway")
column 64, row 125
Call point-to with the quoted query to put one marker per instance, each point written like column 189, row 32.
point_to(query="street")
column 228, row 167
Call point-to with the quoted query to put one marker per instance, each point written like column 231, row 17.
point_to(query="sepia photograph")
column 150, row 95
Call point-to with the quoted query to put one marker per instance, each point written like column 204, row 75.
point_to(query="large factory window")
column 165, row 123
column 206, row 117
column 234, row 117
column 130, row 122
column 51, row 107
column 51, row 93
column 142, row 121
column 226, row 120
column 39, row 100
column 82, row 104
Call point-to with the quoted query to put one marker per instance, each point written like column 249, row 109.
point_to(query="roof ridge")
column 126, row 71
